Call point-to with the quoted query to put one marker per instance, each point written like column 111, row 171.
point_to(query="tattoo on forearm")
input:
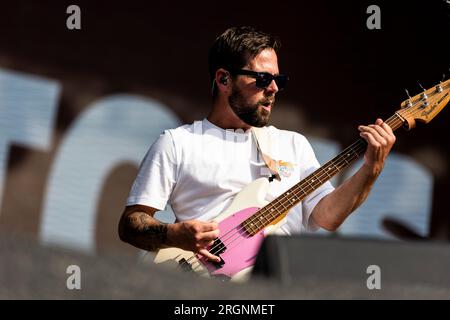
column 145, row 232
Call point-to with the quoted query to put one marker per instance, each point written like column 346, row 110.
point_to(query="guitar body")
column 240, row 248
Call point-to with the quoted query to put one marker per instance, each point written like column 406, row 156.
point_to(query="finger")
column 378, row 122
column 374, row 133
column 207, row 236
column 204, row 252
column 388, row 129
column 381, row 131
column 370, row 139
column 209, row 226
column 205, row 243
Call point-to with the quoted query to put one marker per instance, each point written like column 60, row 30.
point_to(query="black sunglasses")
column 263, row 79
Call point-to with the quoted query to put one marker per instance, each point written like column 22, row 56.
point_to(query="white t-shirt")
column 199, row 168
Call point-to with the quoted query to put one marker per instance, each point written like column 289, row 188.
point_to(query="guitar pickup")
column 219, row 264
column 217, row 248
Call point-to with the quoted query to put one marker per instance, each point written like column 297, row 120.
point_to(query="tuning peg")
column 423, row 95
column 408, row 103
column 439, row 87
column 407, row 93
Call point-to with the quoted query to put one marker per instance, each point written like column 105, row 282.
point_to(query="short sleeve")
column 309, row 164
column 156, row 177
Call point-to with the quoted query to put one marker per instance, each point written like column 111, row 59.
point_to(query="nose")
column 272, row 88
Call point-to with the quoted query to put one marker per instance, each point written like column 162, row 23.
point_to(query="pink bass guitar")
column 249, row 218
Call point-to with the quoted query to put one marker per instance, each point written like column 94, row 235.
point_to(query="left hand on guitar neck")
column 380, row 139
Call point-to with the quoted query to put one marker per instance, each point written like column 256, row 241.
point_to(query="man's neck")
column 223, row 117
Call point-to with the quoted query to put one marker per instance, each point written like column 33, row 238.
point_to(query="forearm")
column 138, row 228
column 335, row 207
column 143, row 231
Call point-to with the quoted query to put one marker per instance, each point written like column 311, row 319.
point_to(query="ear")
column 223, row 80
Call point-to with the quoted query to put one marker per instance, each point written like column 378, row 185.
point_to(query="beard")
column 252, row 114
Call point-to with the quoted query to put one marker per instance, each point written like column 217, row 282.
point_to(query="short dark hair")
column 236, row 46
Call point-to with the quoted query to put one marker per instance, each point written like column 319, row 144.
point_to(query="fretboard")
column 283, row 203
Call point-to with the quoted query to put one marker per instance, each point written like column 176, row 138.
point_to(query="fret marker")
column 348, row 154
column 329, row 168
column 271, row 209
column 312, row 180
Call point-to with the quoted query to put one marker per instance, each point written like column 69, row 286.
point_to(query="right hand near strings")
column 194, row 235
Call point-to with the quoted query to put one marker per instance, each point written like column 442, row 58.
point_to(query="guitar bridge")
column 184, row 265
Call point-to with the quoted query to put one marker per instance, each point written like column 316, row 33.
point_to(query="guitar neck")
column 276, row 209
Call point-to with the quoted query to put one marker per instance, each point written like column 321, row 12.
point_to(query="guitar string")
column 239, row 228
column 228, row 242
column 318, row 175
column 285, row 198
column 395, row 118
column 340, row 160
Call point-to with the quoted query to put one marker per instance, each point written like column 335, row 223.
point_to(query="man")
column 199, row 172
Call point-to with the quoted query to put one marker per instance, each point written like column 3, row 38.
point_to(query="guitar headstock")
column 426, row 105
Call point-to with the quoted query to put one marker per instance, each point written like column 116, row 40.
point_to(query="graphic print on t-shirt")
column 285, row 169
